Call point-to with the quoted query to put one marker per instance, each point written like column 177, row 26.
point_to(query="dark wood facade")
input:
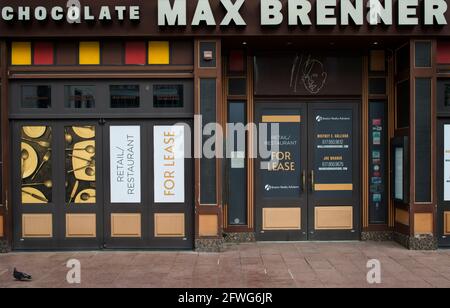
column 411, row 219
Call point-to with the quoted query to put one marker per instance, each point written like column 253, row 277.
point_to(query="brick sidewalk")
column 247, row 265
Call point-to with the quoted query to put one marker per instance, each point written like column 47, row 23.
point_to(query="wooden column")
column 5, row 209
column 422, row 214
column 209, row 217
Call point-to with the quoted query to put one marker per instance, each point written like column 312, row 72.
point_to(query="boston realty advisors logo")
column 320, row 118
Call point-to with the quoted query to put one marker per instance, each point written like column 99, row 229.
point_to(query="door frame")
column 307, row 220
column 355, row 233
column 147, row 207
column 58, row 209
column 302, row 201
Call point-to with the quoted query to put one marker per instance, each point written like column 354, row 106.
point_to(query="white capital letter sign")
column 125, row 155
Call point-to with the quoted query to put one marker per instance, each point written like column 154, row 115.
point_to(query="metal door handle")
column 304, row 180
column 312, row 181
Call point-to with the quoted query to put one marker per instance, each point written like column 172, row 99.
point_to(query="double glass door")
column 443, row 182
column 93, row 185
column 308, row 179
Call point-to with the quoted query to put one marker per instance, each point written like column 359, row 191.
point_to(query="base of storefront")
column 4, row 247
column 208, row 245
column 377, row 236
column 236, row 238
column 423, row 242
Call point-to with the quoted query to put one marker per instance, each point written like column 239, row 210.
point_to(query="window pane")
column 80, row 97
column 402, row 59
column 80, row 165
column 237, row 86
column 423, row 140
column 208, row 190
column 378, row 164
column 447, row 95
column 377, row 86
column 168, row 96
column 423, row 54
column 36, row 97
column 237, row 172
column 403, row 96
column 36, row 164
column 125, row 96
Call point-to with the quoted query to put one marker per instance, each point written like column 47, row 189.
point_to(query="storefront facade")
column 105, row 108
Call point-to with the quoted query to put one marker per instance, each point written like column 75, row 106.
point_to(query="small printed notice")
column 399, row 173
column 125, row 156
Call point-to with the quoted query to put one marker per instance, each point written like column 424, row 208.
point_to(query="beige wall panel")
column 126, row 225
column 333, row 187
column 208, row 225
column 2, row 232
column 169, row 225
column 447, row 223
column 423, row 223
column 37, row 225
column 334, row 218
column 402, row 217
column 81, row 225
column 282, row 219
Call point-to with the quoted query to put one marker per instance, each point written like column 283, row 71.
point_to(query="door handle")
column 312, row 181
column 304, row 180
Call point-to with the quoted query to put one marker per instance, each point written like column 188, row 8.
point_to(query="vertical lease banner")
column 447, row 163
column 125, row 156
column 169, row 158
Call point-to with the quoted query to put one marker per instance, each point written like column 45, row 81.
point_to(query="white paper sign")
column 399, row 173
column 447, row 163
column 238, row 160
column 125, row 156
column 169, row 164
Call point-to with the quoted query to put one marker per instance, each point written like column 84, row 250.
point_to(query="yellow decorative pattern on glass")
column 36, row 164
column 80, row 165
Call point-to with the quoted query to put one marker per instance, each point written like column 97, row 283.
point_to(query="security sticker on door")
column 125, row 156
column 169, row 149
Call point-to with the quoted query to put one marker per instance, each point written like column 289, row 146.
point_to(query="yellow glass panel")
column 158, row 52
column 21, row 53
column 89, row 53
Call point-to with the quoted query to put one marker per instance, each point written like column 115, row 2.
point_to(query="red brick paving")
column 261, row 265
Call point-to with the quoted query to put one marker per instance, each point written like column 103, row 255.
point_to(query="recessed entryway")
column 307, row 188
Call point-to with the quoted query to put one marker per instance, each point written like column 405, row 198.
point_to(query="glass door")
column 443, row 182
column 280, row 172
column 334, row 173
column 56, row 204
column 149, row 185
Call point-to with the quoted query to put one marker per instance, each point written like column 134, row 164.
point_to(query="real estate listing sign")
column 169, row 158
column 447, row 163
column 281, row 174
column 125, row 151
column 333, row 151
